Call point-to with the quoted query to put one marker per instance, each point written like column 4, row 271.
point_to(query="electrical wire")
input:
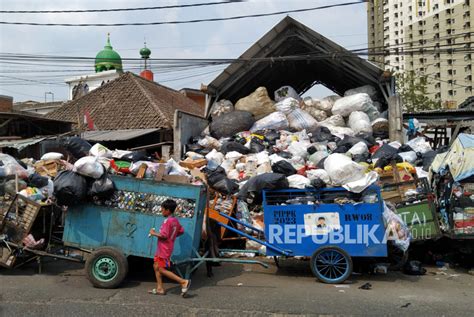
column 177, row 6
column 238, row 17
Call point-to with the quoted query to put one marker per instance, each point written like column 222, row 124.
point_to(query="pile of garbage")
column 291, row 142
column 52, row 179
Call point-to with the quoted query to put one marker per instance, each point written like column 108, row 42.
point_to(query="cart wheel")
column 106, row 267
column 331, row 265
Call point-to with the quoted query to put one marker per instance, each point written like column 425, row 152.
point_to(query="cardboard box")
column 189, row 163
column 160, row 173
column 176, row 179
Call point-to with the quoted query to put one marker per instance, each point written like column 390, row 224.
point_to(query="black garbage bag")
column 414, row 268
column 136, row 156
column 442, row 149
column 321, row 163
column 428, row 158
column 102, row 188
column 342, row 148
column 321, row 134
column 77, row 147
column 404, row 148
column 350, row 141
column 69, row 188
column 368, row 138
column 283, row 167
column 234, row 146
column 228, row 124
column 311, row 150
column 318, row 183
column 386, row 151
column 257, row 145
column 251, row 192
column 217, row 180
column 364, row 157
column 38, row 181
column 387, row 160
column 271, row 136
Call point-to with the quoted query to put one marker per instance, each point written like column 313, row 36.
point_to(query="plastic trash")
column 301, row 120
column 11, row 167
column 341, row 169
column 316, row 157
column 36, row 180
column 357, row 102
column 89, row 166
column 221, row 107
column 298, row 181
column 409, row 157
column 209, row 142
column 219, row 181
column 251, row 192
column 231, row 123
column 336, row 120
column 420, row 145
column 327, row 103
column 69, row 188
column 274, row 121
column 100, row 150
column 367, row 89
column 52, row 156
column 77, row 147
column 397, row 230
column 173, row 168
column 299, row 148
column 285, row 92
column 359, row 148
column 318, row 174
column 283, row 167
column 102, row 188
column 360, row 185
column 359, row 122
column 257, row 103
column 287, row 105
column 312, row 106
column 232, row 146
column 215, row 156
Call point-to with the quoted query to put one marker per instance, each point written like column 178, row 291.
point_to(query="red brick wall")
column 6, row 104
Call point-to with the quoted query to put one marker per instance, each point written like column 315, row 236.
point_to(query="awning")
column 115, row 135
column 20, row 144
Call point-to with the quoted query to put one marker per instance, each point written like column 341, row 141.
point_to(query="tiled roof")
column 128, row 102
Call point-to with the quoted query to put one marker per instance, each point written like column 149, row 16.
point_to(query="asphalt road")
column 63, row 290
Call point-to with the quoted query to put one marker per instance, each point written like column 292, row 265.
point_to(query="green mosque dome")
column 145, row 52
column 108, row 59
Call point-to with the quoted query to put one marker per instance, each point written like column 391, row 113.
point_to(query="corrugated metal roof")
column 20, row 144
column 115, row 135
column 338, row 69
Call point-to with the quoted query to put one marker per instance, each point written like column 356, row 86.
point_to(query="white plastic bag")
column 342, row 169
column 262, row 158
column 316, row 157
column 99, row 150
column 173, row 168
column 360, row 185
column 367, row 89
column 221, row 107
column 215, row 156
column 264, row 168
column 11, row 167
column 318, row 174
column 287, row 105
column 420, row 145
column 285, row 92
column 341, row 131
column 312, row 106
column 299, row 148
column 234, row 156
column 298, row 181
column 359, row 122
column 359, row 148
column 274, row 121
column 118, row 154
column 276, row 158
column 336, row 121
column 89, row 166
column 209, row 142
column 327, row 103
column 301, row 120
column 358, row 102
column 228, row 165
column 397, row 230
column 409, row 156
column 51, row 156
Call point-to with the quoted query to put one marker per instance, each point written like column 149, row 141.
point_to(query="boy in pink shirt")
column 169, row 231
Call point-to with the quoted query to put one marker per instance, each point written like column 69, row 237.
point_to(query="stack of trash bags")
column 290, row 142
column 54, row 179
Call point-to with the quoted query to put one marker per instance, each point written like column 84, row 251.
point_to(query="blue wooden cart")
column 112, row 234
column 325, row 225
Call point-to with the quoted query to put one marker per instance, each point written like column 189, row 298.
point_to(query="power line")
column 238, row 17
column 177, row 6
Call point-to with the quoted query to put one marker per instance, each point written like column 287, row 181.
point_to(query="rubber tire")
column 122, row 267
column 324, row 279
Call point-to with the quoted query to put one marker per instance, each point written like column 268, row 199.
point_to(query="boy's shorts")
column 164, row 263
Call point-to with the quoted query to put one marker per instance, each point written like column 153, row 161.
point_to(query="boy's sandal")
column 155, row 292
column 184, row 290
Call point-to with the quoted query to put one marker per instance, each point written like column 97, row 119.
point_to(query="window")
column 468, row 78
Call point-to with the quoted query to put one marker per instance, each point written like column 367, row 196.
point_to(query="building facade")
column 429, row 37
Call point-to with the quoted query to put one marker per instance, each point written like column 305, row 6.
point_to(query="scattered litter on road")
column 342, row 286
column 366, row 286
column 240, row 284
column 406, row 305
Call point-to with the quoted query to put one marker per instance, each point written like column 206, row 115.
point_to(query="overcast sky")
column 346, row 26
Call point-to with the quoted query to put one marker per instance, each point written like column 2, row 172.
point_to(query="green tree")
column 413, row 89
